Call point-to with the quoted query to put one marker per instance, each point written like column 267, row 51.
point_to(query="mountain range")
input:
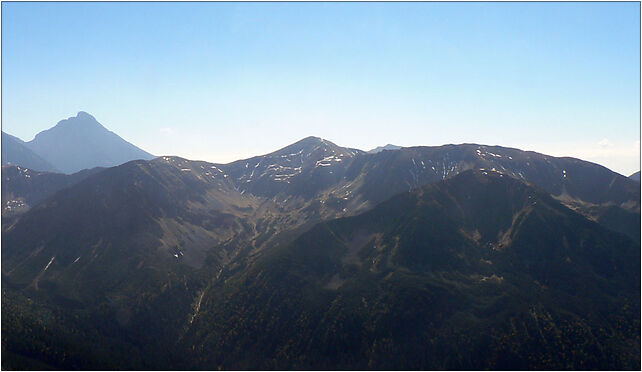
column 317, row 256
column 70, row 146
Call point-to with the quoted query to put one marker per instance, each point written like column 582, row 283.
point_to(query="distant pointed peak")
column 85, row 115
column 81, row 122
column 81, row 119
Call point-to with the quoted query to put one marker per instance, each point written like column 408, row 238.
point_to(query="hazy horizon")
column 327, row 139
column 226, row 81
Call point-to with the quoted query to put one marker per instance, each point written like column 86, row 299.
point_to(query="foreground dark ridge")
column 480, row 271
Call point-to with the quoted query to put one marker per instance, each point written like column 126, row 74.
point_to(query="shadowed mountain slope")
column 23, row 187
column 118, row 256
column 480, row 271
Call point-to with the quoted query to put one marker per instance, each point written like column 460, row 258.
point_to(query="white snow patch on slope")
column 49, row 264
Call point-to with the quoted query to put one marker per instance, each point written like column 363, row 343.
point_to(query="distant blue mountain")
column 16, row 152
column 81, row 142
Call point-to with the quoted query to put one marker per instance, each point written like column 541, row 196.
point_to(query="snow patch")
column 49, row 264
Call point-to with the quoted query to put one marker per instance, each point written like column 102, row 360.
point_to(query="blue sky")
column 224, row 81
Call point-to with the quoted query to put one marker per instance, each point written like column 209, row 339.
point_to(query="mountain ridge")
column 382, row 148
column 352, row 180
column 141, row 252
